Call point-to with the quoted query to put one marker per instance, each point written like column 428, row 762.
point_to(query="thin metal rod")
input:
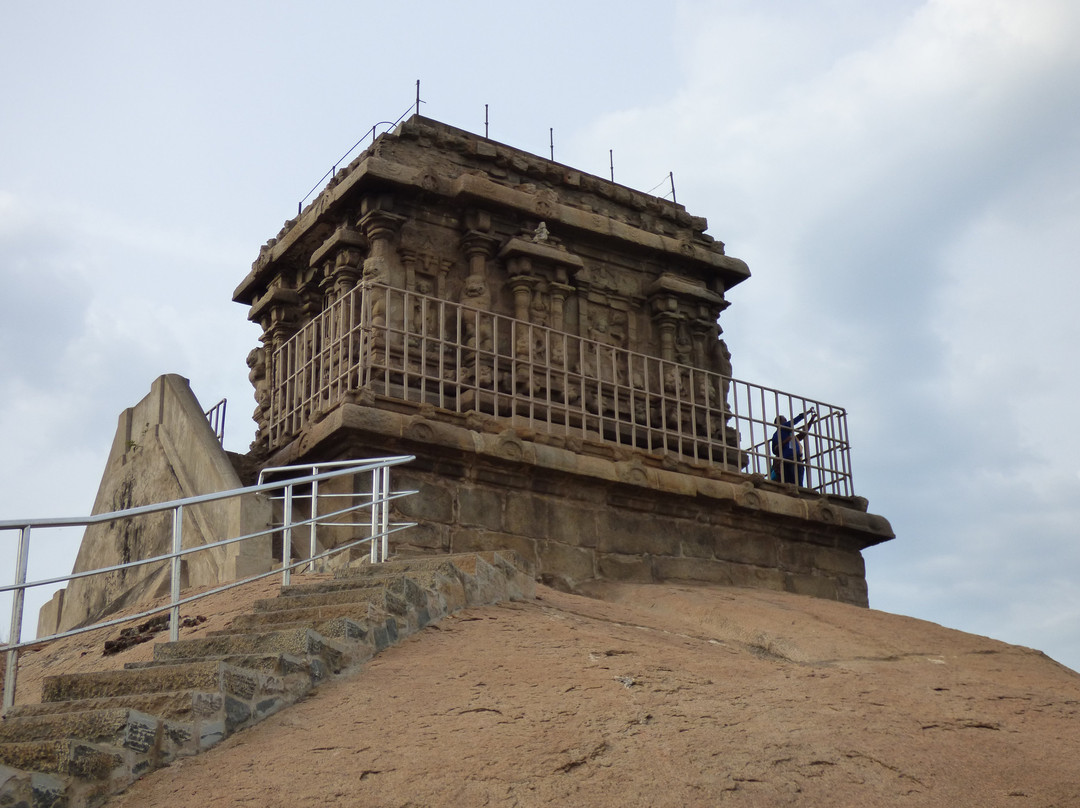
column 418, row 96
column 671, row 176
column 130, row 618
column 551, row 141
column 286, row 537
column 485, row 120
column 385, row 510
column 376, row 519
column 16, row 618
column 82, row 521
column 611, row 160
column 313, row 548
column 174, row 598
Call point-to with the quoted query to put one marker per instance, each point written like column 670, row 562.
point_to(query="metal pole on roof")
column 418, row 96
column 671, row 176
column 485, row 120
column 611, row 158
column 551, row 141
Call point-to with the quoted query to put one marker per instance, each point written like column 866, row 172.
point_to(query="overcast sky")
column 903, row 179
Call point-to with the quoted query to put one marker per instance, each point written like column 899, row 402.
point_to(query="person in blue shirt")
column 786, row 446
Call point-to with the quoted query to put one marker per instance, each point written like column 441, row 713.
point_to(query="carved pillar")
column 666, row 316
column 278, row 312
column 345, row 272
column 381, row 265
column 409, row 259
column 478, row 248
column 559, row 293
column 381, row 227
column 522, row 287
column 385, row 306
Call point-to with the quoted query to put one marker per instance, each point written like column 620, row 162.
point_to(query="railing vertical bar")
column 461, row 358
column 385, row 512
column 313, row 547
column 15, row 635
column 174, row 591
column 286, row 537
column 376, row 519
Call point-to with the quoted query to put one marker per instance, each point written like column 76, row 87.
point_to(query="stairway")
column 93, row 734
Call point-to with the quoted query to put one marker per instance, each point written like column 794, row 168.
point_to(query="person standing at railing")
column 788, row 465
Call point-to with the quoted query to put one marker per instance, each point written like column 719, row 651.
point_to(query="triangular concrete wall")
column 164, row 449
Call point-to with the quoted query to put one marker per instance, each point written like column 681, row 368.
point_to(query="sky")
column 902, row 177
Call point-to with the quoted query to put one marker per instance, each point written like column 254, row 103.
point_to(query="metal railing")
column 413, row 347
column 378, row 501
column 371, row 133
column 378, row 524
column 216, row 417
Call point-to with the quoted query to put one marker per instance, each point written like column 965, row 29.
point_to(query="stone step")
column 440, row 591
column 366, row 574
column 346, row 580
column 332, row 597
column 396, row 595
column 296, row 642
column 510, row 562
column 94, row 733
column 192, row 720
column 299, row 590
column 65, row 756
column 173, row 706
column 373, row 634
column 277, row 664
column 122, row 727
column 409, row 564
column 368, row 636
column 210, row 676
column 486, row 576
column 361, row 612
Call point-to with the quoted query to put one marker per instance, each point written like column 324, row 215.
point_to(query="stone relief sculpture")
column 256, row 362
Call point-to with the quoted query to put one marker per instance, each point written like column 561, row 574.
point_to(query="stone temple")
column 546, row 342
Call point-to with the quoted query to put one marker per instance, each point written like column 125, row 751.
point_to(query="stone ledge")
column 399, row 431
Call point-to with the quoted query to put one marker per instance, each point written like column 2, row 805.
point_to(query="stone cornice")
column 374, row 171
column 847, row 515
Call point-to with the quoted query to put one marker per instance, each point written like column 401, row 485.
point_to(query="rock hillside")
column 663, row 695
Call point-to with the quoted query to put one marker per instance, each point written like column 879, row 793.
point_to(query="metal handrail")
column 314, row 497
column 381, row 496
column 333, row 171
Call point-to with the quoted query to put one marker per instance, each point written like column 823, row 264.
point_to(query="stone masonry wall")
column 595, row 513
column 576, row 532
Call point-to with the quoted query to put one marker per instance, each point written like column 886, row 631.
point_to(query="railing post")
column 385, row 512
column 286, row 537
column 313, row 549
column 177, row 544
column 15, row 636
column 376, row 497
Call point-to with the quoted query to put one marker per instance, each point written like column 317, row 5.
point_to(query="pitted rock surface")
column 662, row 695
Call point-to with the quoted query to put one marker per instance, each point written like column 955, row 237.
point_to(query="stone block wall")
column 597, row 514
